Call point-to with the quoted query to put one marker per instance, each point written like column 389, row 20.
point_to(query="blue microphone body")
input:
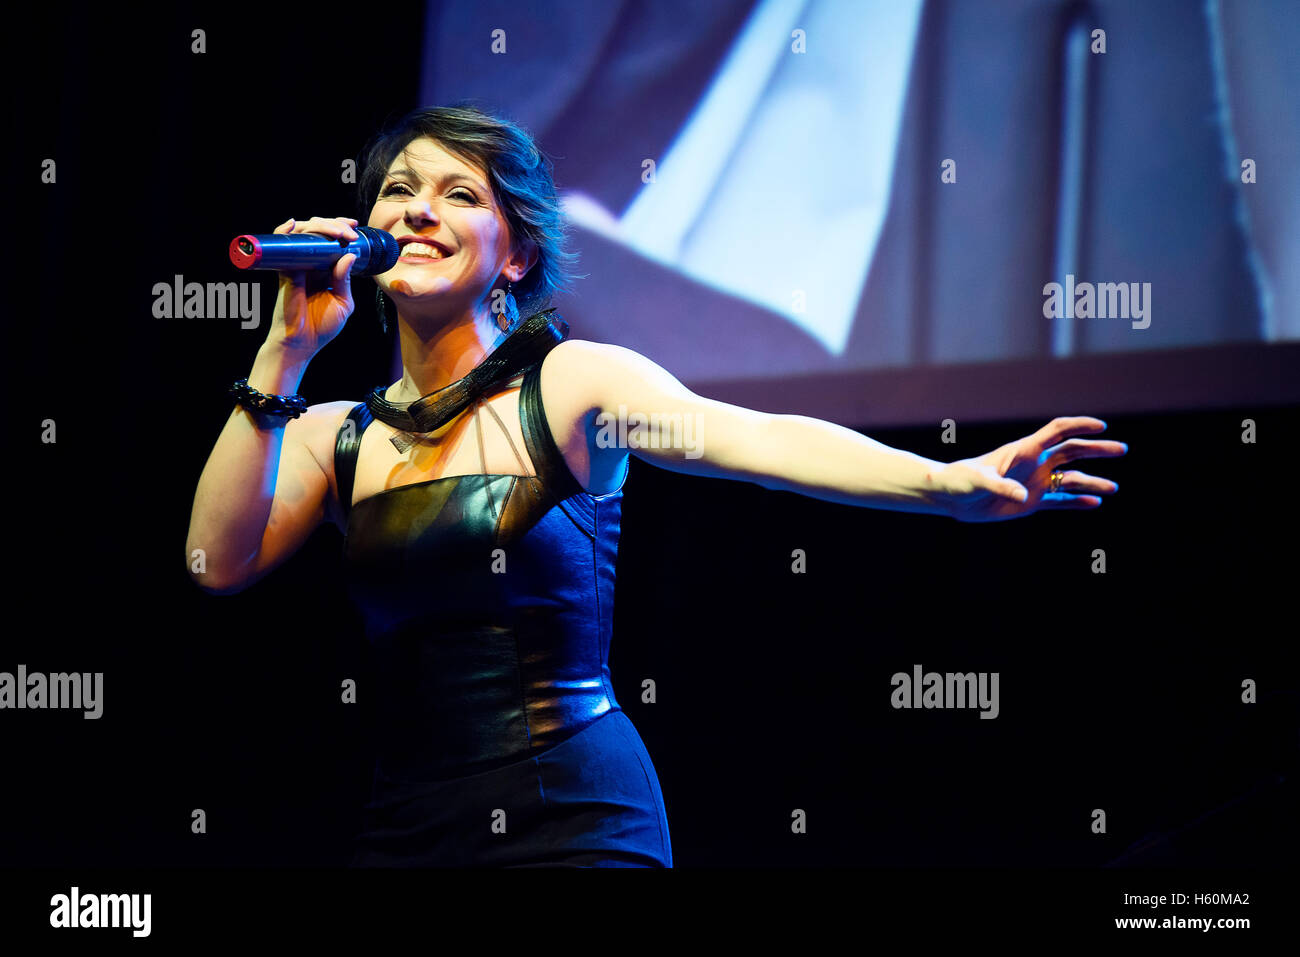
column 376, row 251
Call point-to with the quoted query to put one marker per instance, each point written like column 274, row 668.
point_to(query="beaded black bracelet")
column 290, row 406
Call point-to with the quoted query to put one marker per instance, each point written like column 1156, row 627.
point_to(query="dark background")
column 1118, row 691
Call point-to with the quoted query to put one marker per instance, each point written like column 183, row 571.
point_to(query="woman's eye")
column 460, row 193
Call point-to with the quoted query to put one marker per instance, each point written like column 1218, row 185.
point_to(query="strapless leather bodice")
column 488, row 606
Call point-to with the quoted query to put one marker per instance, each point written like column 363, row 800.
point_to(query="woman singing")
column 479, row 499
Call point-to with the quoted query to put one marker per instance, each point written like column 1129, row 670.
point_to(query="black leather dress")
column 488, row 608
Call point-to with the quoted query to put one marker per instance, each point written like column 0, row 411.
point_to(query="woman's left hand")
column 1015, row 480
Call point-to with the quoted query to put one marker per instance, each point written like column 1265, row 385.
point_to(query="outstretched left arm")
column 666, row 424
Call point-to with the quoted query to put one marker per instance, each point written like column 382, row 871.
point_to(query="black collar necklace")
column 536, row 336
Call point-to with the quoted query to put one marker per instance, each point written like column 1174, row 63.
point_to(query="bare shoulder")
column 599, row 375
column 575, row 383
column 568, row 380
column 577, row 374
column 579, row 352
column 318, row 429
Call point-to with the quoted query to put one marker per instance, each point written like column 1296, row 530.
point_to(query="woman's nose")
column 419, row 211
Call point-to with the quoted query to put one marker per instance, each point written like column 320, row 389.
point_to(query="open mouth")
column 421, row 252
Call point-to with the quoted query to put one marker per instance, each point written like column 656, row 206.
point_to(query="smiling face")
column 432, row 194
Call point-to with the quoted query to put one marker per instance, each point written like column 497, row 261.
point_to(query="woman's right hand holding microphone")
column 313, row 305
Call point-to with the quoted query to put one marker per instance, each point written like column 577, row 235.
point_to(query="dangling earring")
column 508, row 313
column 381, row 307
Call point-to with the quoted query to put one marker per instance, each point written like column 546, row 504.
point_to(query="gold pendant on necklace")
column 402, row 441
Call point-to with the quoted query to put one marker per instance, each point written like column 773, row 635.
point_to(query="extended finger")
column 1064, row 426
column 1072, row 449
column 1081, row 482
column 1065, row 500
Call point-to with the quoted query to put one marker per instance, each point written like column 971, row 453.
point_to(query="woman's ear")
column 523, row 256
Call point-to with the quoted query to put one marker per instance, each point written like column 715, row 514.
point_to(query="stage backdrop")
column 854, row 209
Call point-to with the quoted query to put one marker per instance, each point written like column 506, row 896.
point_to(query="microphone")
column 376, row 251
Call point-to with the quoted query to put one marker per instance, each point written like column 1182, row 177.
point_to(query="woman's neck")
column 432, row 361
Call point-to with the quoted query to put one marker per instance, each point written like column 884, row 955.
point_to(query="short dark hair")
column 519, row 173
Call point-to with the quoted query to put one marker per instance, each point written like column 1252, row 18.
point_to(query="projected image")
column 896, row 184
